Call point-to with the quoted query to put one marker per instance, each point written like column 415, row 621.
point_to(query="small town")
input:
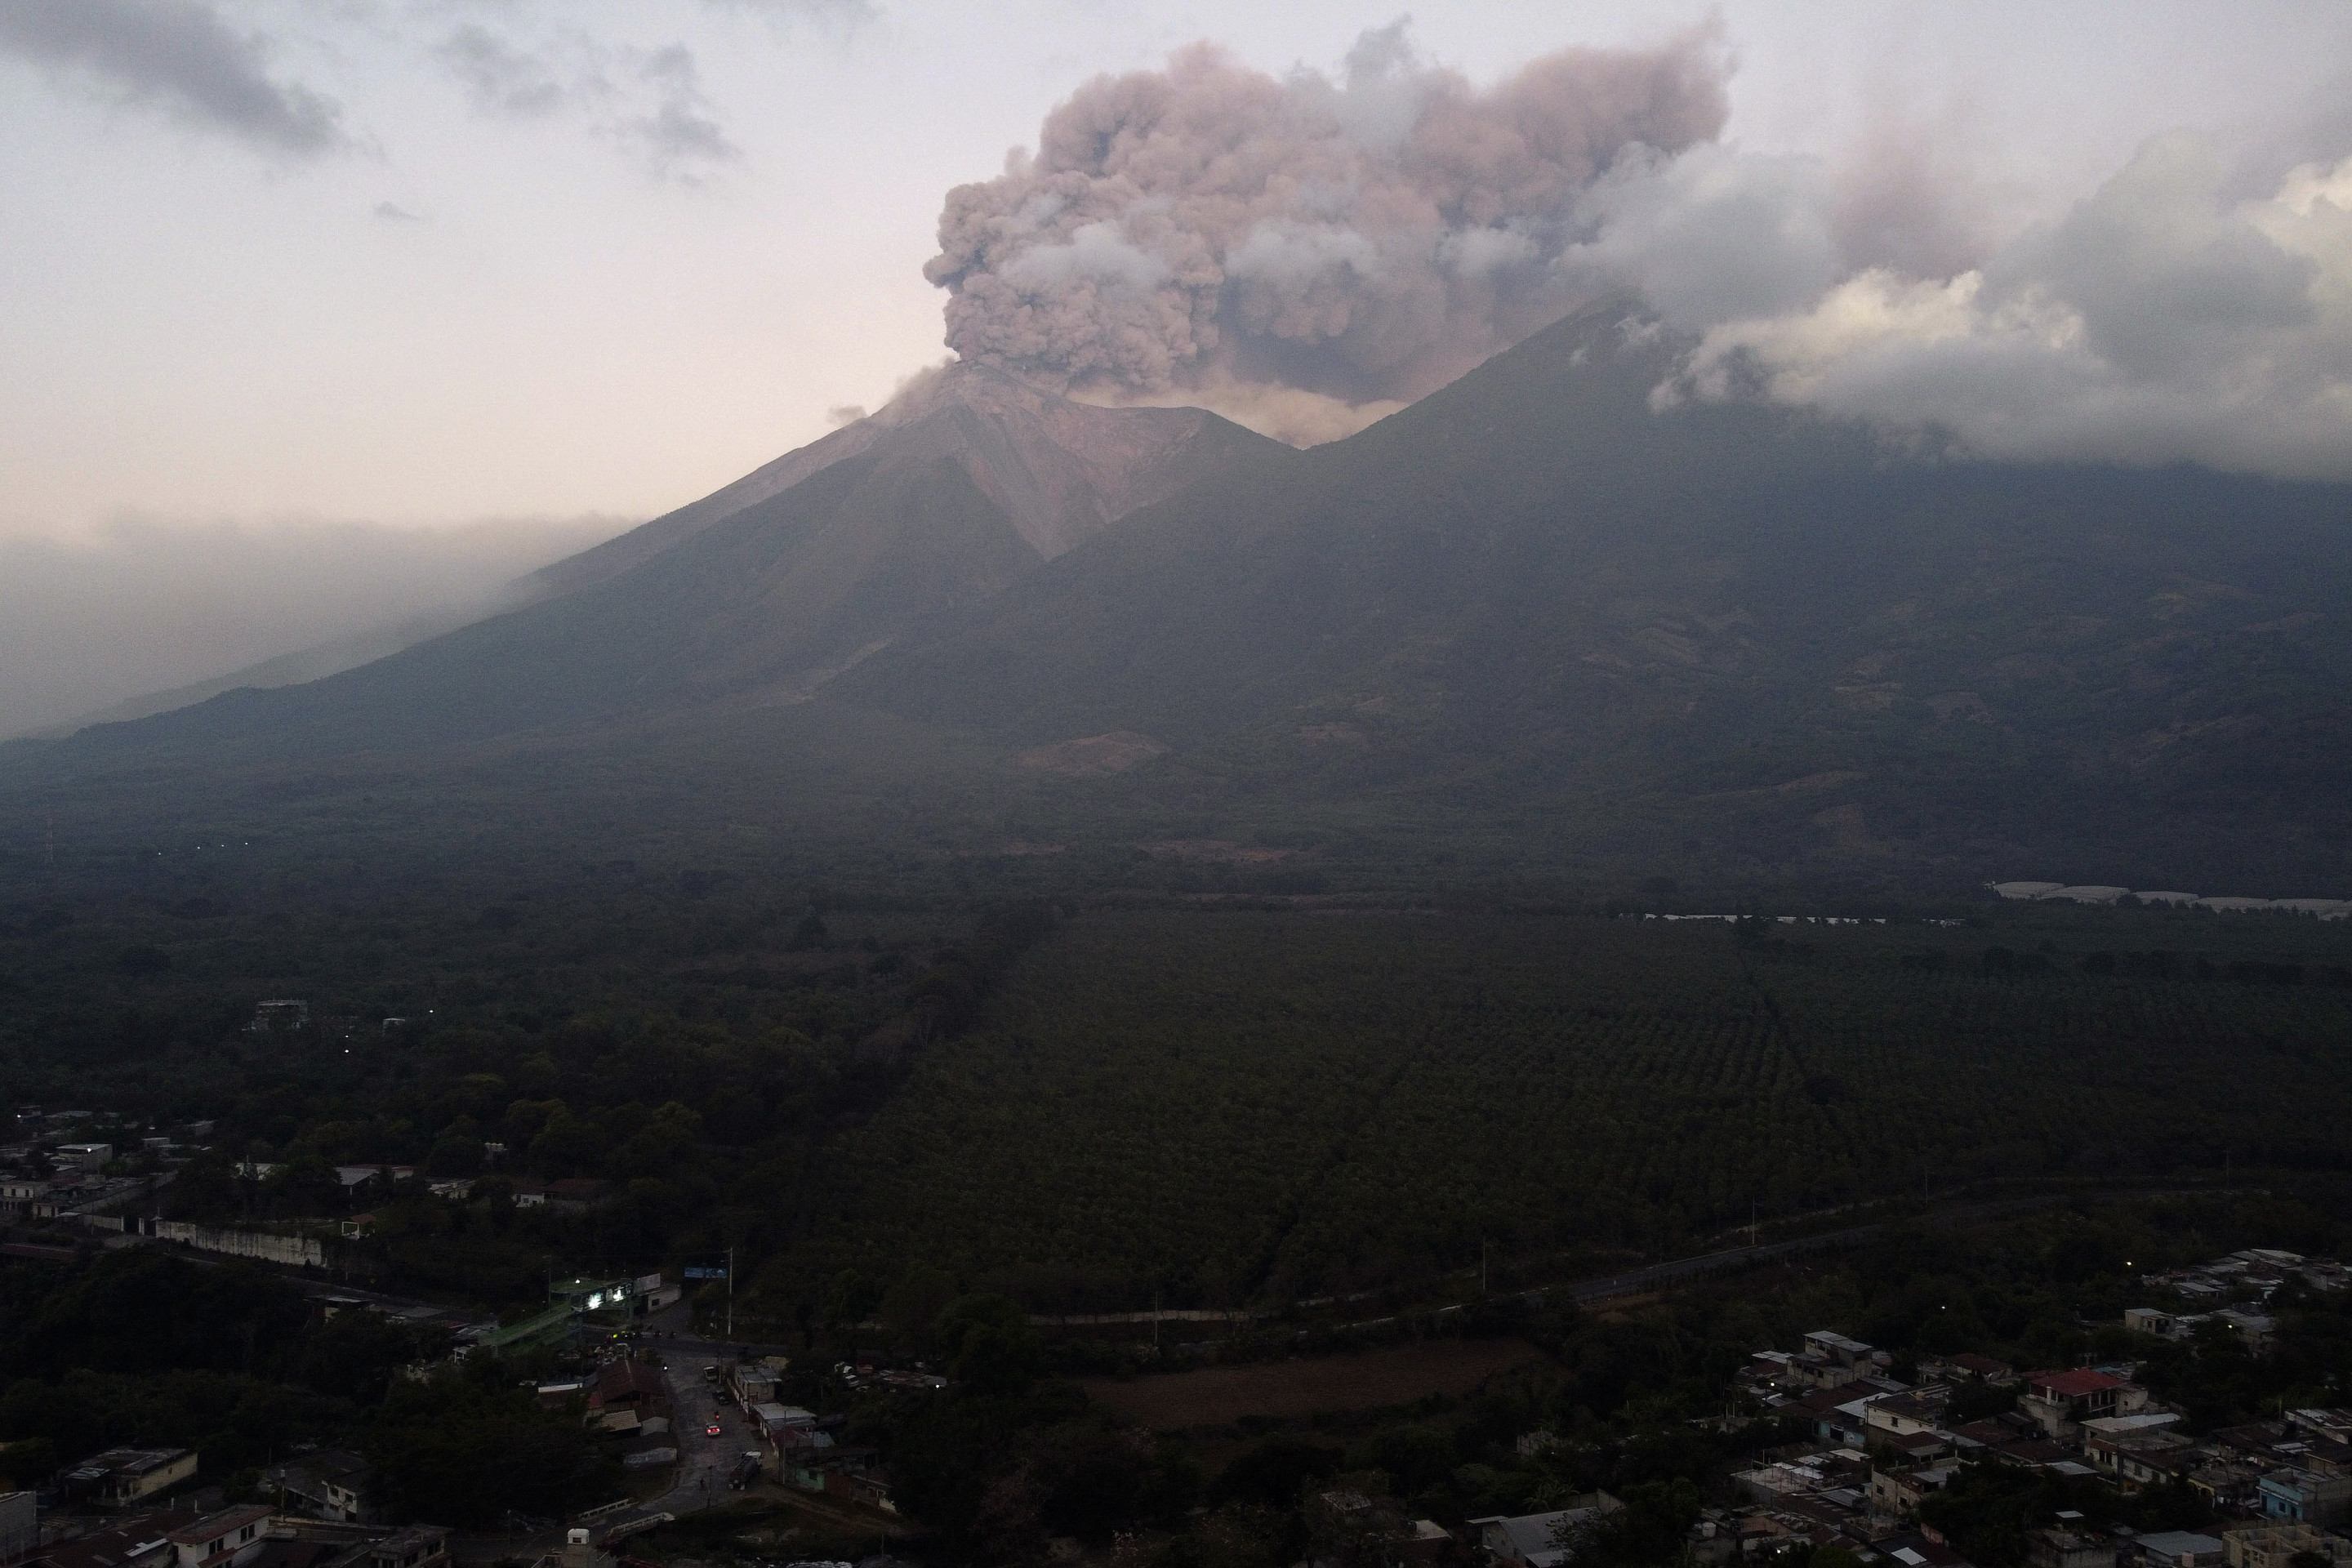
column 685, row 1419
column 1852, row 1446
column 2280, row 1489
column 883, row 784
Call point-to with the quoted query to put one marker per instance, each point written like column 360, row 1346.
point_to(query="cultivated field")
column 1286, row 1390
column 1244, row 1109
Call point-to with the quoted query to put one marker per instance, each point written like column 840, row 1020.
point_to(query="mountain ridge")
column 1534, row 613
column 812, row 561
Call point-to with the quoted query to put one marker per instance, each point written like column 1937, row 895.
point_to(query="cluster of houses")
column 573, row 1194
column 118, row 1517
column 629, row 1400
column 101, row 1169
column 2089, row 893
column 805, row 1449
column 1881, row 1446
column 2231, row 1293
column 76, row 1164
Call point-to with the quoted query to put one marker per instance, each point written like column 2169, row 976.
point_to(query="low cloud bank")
column 2165, row 317
column 182, row 56
column 143, row 606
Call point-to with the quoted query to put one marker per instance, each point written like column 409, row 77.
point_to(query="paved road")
column 699, row 1481
column 703, row 1461
column 1634, row 1281
column 1640, row 1281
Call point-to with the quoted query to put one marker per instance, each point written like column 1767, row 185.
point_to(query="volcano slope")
column 1539, row 616
column 759, row 592
column 1544, row 624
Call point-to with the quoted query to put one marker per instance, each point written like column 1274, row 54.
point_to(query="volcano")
column 769, row 588
column 1544, row 612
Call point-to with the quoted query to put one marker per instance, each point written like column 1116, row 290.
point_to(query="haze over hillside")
column 1773, row 513
column 1538, row 609
column 1544, row 696
column 138, row 615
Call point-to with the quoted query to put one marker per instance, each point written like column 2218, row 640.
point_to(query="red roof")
column 213, row 1527
column 1821, row 1401
column 2077, row 1384
column 626, row 1380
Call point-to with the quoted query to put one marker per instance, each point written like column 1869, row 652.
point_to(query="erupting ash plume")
column 1304, row 254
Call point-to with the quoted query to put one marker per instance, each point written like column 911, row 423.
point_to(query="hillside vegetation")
column 1531, row 628
column 1243, row 1109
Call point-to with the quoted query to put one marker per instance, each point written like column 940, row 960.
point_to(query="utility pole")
column 1482, row 1268
column 731, row 1295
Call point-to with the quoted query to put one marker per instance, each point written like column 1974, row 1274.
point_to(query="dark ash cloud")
column 180, row 57
column 1306, row 254
column 1208, row 232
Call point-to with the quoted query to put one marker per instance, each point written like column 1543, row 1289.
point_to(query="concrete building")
column 2180, row 1548
column 225, row 1540
column 2067, row 1547
column 20, row 1524
column 142, row 1540
column 280, row 1016
column 2276, row 1545
column 2060, row 1402
column 418, row 1546
column 1531, row 1540
column 121, row 1478
column 2305, row 1497
column 332, row 1484
column 1898, row 1494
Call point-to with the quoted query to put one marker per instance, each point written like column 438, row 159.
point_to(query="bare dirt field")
column 1092, row 756
column 1285, row 1390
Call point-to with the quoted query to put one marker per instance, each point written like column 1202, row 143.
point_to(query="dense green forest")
column 1089, row 1101
column 1639, row 1400
column 146, row 1348
column 140, row 1346
column 1245, row 1107
column 921, row 1116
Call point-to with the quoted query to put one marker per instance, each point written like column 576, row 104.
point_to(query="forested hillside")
column 1536, row 627
column 1241, row 1109
column 1088, row 1103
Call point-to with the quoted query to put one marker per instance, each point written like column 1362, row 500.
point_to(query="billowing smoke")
column 1305, row 253
column 2172, row 314
column 1309, row 253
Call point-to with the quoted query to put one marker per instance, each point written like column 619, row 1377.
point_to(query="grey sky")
column 183, row 57
column 640, row 272
column 426, row 262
